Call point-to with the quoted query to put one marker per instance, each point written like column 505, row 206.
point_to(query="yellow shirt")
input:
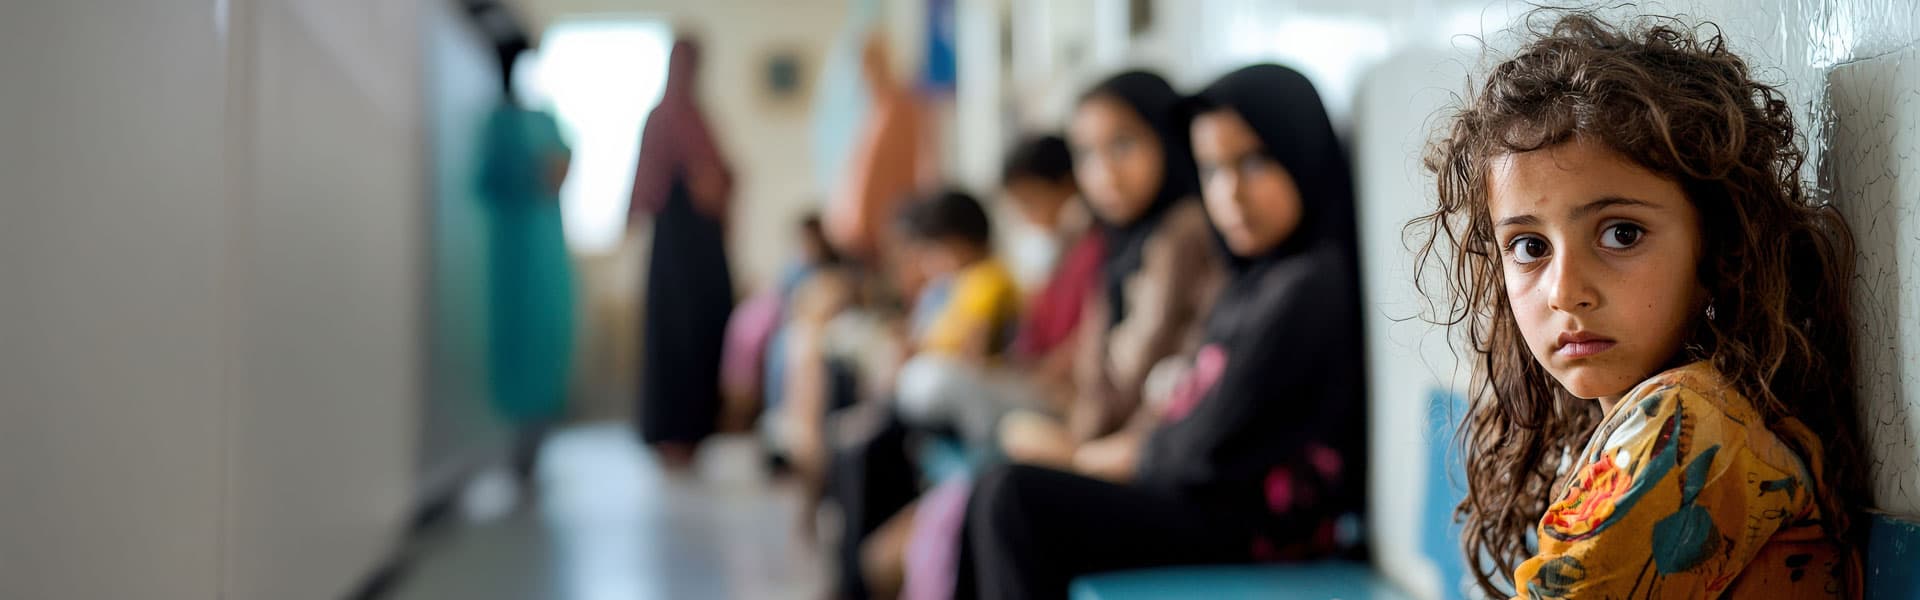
column 1685, row 493
column 984, row 301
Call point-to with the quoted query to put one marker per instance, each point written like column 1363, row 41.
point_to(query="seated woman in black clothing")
column 1258, row 454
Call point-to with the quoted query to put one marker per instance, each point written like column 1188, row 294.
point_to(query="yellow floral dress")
column 1684, row 492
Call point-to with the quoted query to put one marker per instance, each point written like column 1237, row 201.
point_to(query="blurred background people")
column 531, row 307
column 970, row 322
column 1133, row 163
column 1258, row 452
column 685, row 184
column 1159, row 274
column 889, row 160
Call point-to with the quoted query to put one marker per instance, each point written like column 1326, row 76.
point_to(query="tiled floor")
column 611, row 525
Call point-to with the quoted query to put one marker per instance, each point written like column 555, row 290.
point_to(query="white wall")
column 330, row 281
column 114, row 226
column 209, row 251
column 458, row 428
column 1407, row 358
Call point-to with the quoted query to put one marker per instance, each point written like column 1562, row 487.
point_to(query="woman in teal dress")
column 530, row 315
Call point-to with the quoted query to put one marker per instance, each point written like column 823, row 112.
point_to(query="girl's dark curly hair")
column 1778, row 266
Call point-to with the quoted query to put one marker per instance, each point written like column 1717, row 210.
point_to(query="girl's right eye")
column 1527, row 248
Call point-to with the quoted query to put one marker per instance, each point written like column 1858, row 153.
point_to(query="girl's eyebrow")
column 1518, row 220
column 1579, row 212
column 1610, row 201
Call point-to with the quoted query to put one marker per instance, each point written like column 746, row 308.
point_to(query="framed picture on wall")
column 784, row 74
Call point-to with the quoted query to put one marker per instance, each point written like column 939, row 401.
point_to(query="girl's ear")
column 1696, row 345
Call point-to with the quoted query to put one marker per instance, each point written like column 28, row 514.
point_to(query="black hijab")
column 1285, row 112
column 1154, row 100
column 1288, row 326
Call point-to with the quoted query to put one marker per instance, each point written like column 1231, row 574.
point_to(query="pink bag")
column 749, row 331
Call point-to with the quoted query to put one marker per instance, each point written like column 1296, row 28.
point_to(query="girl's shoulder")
column 1703, row 409
column 1696, row 388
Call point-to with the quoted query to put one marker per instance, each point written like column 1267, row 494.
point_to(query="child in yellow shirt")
column 970, row 308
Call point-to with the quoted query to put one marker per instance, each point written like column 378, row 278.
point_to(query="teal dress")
column 531, row 308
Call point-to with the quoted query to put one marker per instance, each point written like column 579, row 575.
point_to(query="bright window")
column 601, row 77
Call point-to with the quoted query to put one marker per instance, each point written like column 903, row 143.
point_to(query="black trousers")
column 871, row 477
column 1031, row 530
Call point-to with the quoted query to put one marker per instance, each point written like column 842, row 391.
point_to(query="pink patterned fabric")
column 1279, row 490
column 1207, row 367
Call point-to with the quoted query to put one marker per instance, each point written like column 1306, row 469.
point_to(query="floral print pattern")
column 1685, row 492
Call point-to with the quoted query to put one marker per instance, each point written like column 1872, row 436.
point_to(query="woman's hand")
column 1113, row 458
column 1036, row 439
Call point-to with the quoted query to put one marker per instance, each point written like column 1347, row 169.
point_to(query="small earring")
column 1709, row 309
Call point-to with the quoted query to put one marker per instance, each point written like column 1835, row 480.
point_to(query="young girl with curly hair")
column 1658, row 318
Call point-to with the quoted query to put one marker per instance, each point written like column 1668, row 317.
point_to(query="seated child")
column 950, row 236
column 1038, row 179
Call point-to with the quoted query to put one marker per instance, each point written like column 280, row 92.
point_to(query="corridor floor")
column 610, row 524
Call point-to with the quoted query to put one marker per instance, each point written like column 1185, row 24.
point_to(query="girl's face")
column 1250, row 197
column 1117, row 159
column 1599, row 257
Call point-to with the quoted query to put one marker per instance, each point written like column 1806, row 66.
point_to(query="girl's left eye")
column 1621, row 236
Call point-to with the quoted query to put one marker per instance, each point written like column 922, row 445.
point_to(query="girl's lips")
column 1584, row 349
column 1581, row 344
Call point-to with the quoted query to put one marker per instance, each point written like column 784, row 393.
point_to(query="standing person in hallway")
column 530, row 314
column 887, row 163
column 685, row 184
column 1257, row 453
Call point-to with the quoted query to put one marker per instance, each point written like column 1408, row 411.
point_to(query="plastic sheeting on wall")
column 1873, row 166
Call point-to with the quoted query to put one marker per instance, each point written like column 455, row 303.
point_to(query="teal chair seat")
column 1893, row 558
column 1344, row 580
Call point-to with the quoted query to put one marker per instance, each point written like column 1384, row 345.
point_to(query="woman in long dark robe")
column 685, row 183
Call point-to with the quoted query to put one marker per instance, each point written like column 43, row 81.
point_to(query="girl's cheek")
column 1517, row 284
